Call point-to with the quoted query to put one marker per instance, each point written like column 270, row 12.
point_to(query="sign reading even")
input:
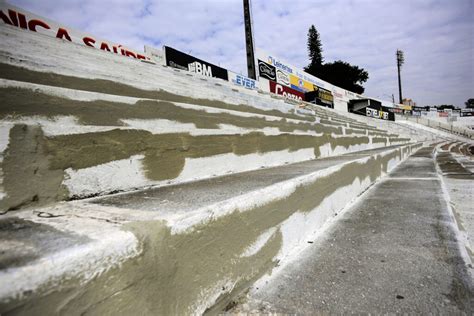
column 176, row 59
column 286, row 92
column 243, row 81
column 22, row 19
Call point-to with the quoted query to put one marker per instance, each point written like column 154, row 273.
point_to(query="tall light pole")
column 249, row 45
column 400, row 61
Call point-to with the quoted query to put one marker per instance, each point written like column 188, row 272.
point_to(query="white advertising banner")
column 290, row 75
column 16, row 17
column 155, row 54
column 242, row 81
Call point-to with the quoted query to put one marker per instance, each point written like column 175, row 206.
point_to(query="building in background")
column 409, row 102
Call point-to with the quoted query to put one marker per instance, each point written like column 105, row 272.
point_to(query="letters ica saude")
column 36, row 24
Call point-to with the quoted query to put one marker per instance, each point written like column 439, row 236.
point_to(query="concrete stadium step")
column 30, row 100
column 457, row 171
column 71, row 144
column 13, row 74
column 182, row 249
column 395, row 251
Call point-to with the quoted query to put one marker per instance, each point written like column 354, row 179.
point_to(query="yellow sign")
column 300, row 83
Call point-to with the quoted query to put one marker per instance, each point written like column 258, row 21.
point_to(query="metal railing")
column 449, row 128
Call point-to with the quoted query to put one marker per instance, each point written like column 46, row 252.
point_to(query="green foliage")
column 315, row 50
column 469, row 103
column 339, row 73
column 344, row 75
column 444, row 106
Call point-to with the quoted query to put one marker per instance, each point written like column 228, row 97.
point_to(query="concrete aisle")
column 393, row 251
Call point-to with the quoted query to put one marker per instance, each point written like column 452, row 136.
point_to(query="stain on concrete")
column 446, row 146
column 165, row 153
column 34, row 164
column 382, row 140
column 28, row 176
column 175, row 273
column 355, row 131
column 398, row 140
column 18, row 247
column 451, row 168
column 26, row 102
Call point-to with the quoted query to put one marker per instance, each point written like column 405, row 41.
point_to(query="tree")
column 469, row 103
column 339, row 73
column 315, row 51
column 445, row 106
column 344, row 75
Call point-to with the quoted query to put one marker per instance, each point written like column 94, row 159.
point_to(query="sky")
column 437, row 36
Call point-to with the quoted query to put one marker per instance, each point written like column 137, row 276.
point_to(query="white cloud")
column 436, row 35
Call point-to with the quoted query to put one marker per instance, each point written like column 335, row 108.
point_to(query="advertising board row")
column 177, row 59
column 275, row 75
column 371, row 108
column 290, row 81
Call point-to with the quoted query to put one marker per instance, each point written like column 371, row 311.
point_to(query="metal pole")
column 249, row 42
column 400, row 61
column 399, row 84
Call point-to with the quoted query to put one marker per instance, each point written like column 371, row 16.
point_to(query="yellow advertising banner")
column 296, row 83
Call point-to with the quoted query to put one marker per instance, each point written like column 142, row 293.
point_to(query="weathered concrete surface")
column 187, row 197
column 395, row 251
column 459, row 183
column 188, row 266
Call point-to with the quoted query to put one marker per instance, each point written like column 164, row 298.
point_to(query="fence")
column 450, row 128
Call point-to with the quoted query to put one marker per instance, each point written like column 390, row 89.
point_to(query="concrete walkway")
column 394, row 251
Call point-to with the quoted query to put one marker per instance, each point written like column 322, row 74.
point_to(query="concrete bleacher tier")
column 141, row 186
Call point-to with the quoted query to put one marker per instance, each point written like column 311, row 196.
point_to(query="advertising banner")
column 467, row 113
column 395, row 110
column 176, row 59
column 266, row 71
column 283, row 78
column 242, row 81
column 22, row 19
column 291, row 70
column 286, row 91
column 325, row 97
column 155, row 54
column 320, row 96
column 300, row 84
column 372, row 108
column 339, row 93
column 381, row 113
column 405, row 107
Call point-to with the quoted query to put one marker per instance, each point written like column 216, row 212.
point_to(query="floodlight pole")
column 400, row 61
column 249, row 44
